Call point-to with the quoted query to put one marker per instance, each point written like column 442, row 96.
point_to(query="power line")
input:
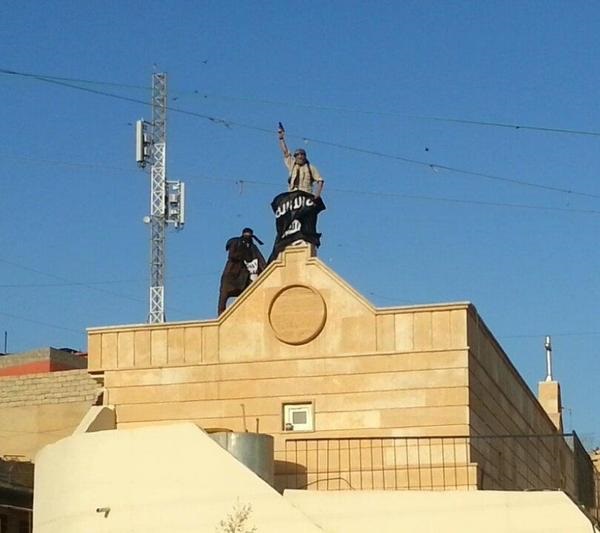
column 415, row 197
column 436, row 166
column 40, row 323
column 473, row 202
column 541, row 336
column 320, row 107
column 59, row 162
column 65, row 284
column 65, row 280
column 106, row 282
column 513, row 126
column 79, row 80
column 395, row 114
column 242, row 181
column 56, row 81
column 230, row 123
column 68, row 282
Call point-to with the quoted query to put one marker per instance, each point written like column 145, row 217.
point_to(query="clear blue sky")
column 346, row 78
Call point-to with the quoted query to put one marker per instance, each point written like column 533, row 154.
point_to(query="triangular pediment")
column 298, row 308
column 298, row 304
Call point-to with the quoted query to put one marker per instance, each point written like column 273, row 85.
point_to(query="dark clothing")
column 296, row 215
column 236, row 276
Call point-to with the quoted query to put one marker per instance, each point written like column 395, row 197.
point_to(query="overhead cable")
column 25, row 319
column 65, row 280
column 241, row 181
column 320, row 107
column 230, row 123
column 87, row 283
column 342, row 109
column 415, row 196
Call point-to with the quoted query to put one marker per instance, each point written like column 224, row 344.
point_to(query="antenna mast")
column 548, row 346
column 166, row 197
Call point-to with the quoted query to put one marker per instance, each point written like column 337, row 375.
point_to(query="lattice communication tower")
column 167, row 198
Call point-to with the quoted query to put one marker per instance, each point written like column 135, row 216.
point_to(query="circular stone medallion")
column 297, row 314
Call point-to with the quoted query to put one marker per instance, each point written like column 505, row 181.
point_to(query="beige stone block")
column 124, row 378
column 94, row 347
column 142, row 348
column 145, row 412
column 176, row 346
column 392, row 399
column 192, row 374
column 358, row 334
column 210, row 344
column 351, row 365
column 301, row 387
column 429, row 416
column 441, row 336
column 158, row 376
column 125, row 343
column 346, row 383
column 458, row 328
column 404, row 328
column 348, row 420
column 167, row 393
column 446, row 396
column 193, row 344
column 386, row 332
column 195, row 409
column 109, row 350
column 159, row 347
column 423, row 331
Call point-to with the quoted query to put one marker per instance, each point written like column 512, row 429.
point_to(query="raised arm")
column 282, row 145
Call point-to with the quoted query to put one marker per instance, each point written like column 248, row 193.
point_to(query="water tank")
column 255, row 450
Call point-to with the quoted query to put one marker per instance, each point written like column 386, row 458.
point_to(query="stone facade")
column 416, row 385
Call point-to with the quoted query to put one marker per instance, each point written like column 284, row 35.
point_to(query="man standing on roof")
column 302, row 174
column 244, row 264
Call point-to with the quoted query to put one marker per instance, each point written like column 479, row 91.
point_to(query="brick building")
column 44, row 394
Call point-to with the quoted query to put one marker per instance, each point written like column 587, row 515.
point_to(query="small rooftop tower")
column 549, row 390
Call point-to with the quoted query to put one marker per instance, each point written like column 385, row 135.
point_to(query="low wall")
column 38, row 409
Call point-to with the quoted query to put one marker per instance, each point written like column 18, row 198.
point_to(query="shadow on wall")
column 289, row 475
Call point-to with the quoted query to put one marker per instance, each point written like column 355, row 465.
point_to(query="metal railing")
column 489, row 462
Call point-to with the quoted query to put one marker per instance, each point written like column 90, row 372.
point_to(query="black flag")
column 296, row 215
